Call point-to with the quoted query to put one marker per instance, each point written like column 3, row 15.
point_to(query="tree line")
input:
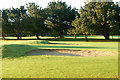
column 58, row 19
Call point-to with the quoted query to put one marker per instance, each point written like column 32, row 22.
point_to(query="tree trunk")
column 86, row 37
column 75, row 36
column 61, row 34
column 18, row 37
column 106, row 35
column 37, row 36
column 3, row 37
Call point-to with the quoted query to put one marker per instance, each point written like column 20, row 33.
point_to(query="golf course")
column 23, row 58
column 59, row 39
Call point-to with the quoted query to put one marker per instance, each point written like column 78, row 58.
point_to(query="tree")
column 100, row 17
column 60, row 16
column 75, row 30
column 35, row 21
column 16, row 17
column 0, row 22
column 80, row 27
column 4, row 23
column 6, row 27
column 117, row 19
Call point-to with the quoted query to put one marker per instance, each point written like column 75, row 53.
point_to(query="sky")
column 43, row 3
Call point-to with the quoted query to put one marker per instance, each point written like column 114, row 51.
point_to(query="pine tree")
column 60, row 16
column 16, row 17
column 6, row 27
column 35, row 21
column 100, row 17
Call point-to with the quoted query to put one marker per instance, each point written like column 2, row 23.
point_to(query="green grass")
column 60, row 67
column 16, row 64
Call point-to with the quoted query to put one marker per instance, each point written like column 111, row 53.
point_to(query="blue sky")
column 43, row 3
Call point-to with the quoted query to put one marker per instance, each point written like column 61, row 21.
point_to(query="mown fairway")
column 16, row 64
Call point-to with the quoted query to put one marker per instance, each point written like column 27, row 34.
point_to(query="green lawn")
column 16, row 64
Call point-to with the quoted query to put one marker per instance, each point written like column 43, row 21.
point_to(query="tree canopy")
column 100, row 17
column 58, row 19
column 60, row 16
column 35, row 22
column 15, row 18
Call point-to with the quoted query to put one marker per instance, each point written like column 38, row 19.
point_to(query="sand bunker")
column 60, row 52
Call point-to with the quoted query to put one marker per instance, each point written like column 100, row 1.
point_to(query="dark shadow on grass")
column 72, row 47
column 82, row 39
column 73, row 39
column 51, row 52
column 15, row 50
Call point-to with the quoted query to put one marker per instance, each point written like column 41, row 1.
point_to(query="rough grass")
column 16, row 64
